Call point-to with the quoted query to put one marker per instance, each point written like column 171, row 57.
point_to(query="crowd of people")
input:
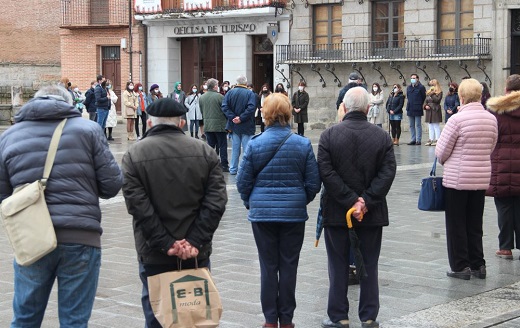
column 277, row 176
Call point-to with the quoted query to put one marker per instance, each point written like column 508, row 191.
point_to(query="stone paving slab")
column 415, row 291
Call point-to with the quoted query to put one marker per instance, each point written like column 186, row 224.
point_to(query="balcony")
column 377, row 51
column 94, row 13
column 201, row 6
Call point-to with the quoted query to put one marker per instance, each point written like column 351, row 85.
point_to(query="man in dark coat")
column 90, row 101
column 357, row 166
column 416, row 94
column 84, row 170
column 353, row 81
column 239, row 106
column 175, row 191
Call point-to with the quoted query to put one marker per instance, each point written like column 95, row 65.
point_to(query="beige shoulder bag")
column 26, row 217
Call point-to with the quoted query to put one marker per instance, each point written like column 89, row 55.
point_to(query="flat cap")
column 166, row 107
column 353, row 76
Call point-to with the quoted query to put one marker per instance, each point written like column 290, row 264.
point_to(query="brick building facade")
column 30, row 51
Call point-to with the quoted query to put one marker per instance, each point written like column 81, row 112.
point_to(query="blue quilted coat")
column 284, row 187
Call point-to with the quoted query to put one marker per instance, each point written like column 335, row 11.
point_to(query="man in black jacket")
column 353, row 81
column 90, row 101
column 357, row 166
column 175, row 191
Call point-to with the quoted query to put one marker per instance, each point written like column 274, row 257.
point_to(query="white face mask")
column 156, row 90
column 109, row 86
column 375, row 89
column 130, row 87
column 395, row 90
column 205, row 87
column 226, row 88
column 300, row 88
column 194, row 90
column 76, row 89
column 140, row 88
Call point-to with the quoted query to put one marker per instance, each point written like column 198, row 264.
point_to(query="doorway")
column 111, row 69
column 515, row 42
column 201, row 60
column 262, row 62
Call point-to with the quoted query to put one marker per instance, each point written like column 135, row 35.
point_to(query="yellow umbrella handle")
column 349, row 217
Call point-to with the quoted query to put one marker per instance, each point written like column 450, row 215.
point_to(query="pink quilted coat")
column 465, row 146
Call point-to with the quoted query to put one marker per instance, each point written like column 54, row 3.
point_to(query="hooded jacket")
column 465, row 146
column 505, row 159
column 84, row 168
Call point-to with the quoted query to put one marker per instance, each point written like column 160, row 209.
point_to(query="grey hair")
column 241, row 79
column 164, row 120
column 56, row 92
column 212, row 83
column 356, row 99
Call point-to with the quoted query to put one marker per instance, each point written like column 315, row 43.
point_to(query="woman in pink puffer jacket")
column 464, row 149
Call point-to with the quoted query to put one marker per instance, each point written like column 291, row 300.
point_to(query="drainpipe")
column 130, row 36
column 145, row 35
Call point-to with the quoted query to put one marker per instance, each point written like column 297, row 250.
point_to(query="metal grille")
column 84, row 13
column 113, row 53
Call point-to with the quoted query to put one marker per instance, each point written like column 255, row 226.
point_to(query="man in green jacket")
column 215, row 121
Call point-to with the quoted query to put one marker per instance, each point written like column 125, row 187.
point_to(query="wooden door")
column 111, row 69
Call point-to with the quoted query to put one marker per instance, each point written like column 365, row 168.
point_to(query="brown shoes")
column 504, row 254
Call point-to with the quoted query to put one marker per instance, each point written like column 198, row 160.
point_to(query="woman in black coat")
column 394, row 107
column 300, row 101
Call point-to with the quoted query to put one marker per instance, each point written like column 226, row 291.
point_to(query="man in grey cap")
column 175, row 191
column 353, row 81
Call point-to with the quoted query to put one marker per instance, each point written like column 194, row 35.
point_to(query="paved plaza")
column 414, row 289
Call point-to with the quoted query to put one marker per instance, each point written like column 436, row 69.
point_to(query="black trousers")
column 218, row 141
column 396, row 128
column 279, row 246
column 508, row 209
column 143, row 117
column 337, row 242
column 146, row 270
column 301, row 128
column 464, row 211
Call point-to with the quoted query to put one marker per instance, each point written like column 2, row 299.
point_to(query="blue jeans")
column 102, row 115
column 77, row 269
column 239, row 140
column 415, row 128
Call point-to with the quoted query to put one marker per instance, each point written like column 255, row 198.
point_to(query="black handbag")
column 431, row 197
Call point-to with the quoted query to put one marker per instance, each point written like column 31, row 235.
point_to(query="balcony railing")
column 183, row 6
column 88, row 13
column 447, row 49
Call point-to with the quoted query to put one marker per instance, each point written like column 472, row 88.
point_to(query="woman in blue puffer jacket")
column 277, row 178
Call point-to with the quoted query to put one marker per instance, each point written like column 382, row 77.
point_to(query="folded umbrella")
column 355, row 243
column 319, row 227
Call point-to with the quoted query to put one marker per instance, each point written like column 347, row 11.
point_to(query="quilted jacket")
column 84, row 168
column 356, row 159
column 505, row 159
column 465, row 146
column 281, row 190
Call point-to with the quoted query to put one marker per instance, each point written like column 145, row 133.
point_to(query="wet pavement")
column 414, row 289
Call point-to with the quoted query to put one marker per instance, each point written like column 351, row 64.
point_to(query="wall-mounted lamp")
column 123, row 43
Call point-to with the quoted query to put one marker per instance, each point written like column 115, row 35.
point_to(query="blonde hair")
column 435, row 88
column 470, row 90
column 277, row 108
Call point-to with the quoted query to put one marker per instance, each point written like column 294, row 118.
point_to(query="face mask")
column 300, row 88
column 156, row 91
column 413, row 81
column 264, row 90
column 375, row 89
column 194, row 90
column 109, row 86
column 218, row 89
column 278, row 89
column 76, row 89
column 130, row 87
column 451, row 89
column 205, row 87
column 226, row 88
column 140, row 88
column 395, row 90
